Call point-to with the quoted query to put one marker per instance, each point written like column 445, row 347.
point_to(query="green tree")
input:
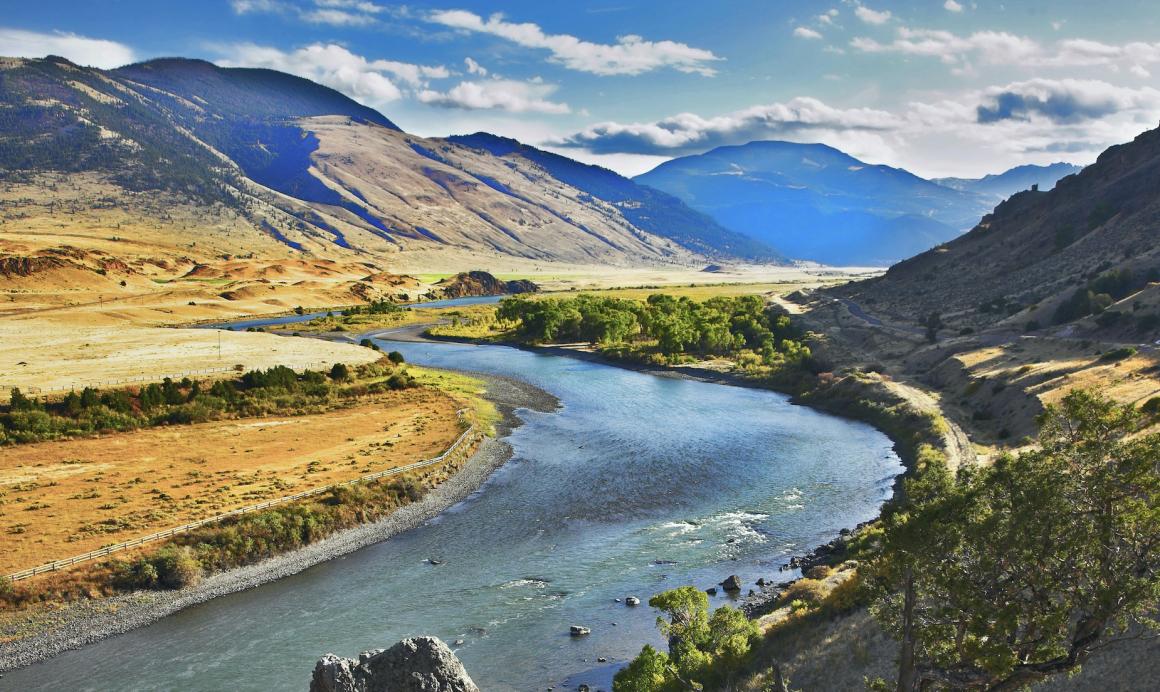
column 340, row 372
column 648, row 672
column 705, row 651
column 20, row 402
column 1010, row 574
column 90, row 398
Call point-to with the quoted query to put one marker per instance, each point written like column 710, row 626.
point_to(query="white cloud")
column 337, row 17
column 630, row 55
column 1064, row 101
column 368, row 81
column 952, row 6
column 248, row 6
column 805, row 32
column 333, row 12
column 498, row 94
column 689, row 132
column 474, row 67
column 82, row 50
column 356, row 5
column 994, row 47
column 1003, row 48
column 828, row 16
column 968, row 133
column 872, row 16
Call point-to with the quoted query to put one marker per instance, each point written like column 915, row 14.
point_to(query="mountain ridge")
column 1000, row 186
column 817, row 202
column 296, row 167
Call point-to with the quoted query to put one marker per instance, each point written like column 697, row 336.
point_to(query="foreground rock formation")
column 420, row 664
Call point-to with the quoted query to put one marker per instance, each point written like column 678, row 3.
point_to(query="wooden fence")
column 464, row 441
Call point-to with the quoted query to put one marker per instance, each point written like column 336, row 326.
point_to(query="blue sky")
column 941, row 87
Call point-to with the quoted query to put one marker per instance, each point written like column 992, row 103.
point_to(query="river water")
column 637, row 484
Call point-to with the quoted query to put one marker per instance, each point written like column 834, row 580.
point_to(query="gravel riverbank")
column 86, row 622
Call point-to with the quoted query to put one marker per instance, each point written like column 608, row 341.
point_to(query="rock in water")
column 420, row 664
column 732, row 584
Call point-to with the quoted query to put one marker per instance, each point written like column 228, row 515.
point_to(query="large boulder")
column 732, row 583
column 420, row 664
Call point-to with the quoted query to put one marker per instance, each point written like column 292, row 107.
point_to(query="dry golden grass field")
column 63, row 498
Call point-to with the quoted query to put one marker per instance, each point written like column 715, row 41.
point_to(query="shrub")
column 20, row 402
column 177, row 567
column 340, row 372
column 396, row 357
column 846, row 596
column 1109, row 318
column 401, row 381
column 811, row 591
column 1148, row 323
column 1117, row 354
column 818, row 572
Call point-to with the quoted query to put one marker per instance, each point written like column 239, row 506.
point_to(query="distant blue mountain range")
column 814, row 202
column 1000, row 186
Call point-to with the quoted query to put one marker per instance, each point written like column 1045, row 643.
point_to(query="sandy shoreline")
column 87, row 622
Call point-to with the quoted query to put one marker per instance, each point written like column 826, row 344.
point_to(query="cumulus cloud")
column 474, row 67
column 497, row 94
column 968, row 133
column 952, row 6
column 630, row 55
column 828, row 16
column 1063, row 101
column 82, row 50
column 372, row 82
column 806, row 32
column 1003, row 48
column 689, row 132
column 872, row 16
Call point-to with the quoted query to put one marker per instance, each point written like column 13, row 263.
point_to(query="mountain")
column 1082, row 253
column 236, row 161
column 812, row 201
column 999, row 186
column 647, row 208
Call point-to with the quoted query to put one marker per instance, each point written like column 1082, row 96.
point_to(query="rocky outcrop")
column 14, row 266
column 480, row 283
column 420, row 664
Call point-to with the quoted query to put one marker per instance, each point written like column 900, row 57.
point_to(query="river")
column 637, row 484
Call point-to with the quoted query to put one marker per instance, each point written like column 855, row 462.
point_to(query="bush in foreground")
column 1007, row 575
column 705, row 651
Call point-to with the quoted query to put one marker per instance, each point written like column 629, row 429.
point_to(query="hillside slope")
column 649, row 209
column 814, row 202
column 260, row 162
column 1042, row 257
